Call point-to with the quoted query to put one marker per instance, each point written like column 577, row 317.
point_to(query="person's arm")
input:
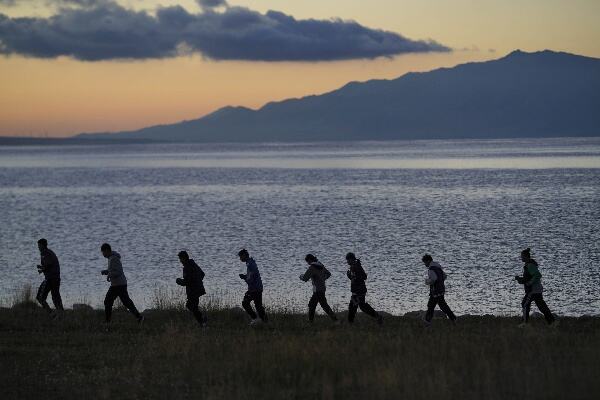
column 195, row 268
column 251, row 271
column 431, row 277
column 43, row 263
column 186, row 277
column 349, row 274
column 535, row 274
column 360, row 272
column 244, row 276
column 40, row 266
column 47, row 262
column 327, row 273
column 105, row 271
column 115, row 269
column 306, row 276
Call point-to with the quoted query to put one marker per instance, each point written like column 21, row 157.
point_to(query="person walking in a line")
column 532, row 282
column 435, row 280
column 358, row 287
column 255, row 289
column 317, row 274
column 118, row 285
column 50, row 267
column 194, row 287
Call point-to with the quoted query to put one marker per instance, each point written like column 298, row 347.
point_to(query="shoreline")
column 16, row 141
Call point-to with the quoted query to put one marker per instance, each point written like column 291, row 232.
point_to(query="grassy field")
column 171, row 357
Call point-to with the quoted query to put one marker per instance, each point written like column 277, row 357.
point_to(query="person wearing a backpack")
column 317, row 274
column 532, row 282
column 358, row 287
column 194, row 287
column 435, row 280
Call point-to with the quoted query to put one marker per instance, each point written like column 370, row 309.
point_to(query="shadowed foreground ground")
column 170, row 357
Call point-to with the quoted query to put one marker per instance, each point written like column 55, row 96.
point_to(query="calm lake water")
column 472, row 204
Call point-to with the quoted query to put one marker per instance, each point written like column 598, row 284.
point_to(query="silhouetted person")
column 50, row 267
column 255, row 288
column 318, row 274
column 194, row 288
column 118, row 284
column 435, row 279
column 358, row 287
column 532, row 282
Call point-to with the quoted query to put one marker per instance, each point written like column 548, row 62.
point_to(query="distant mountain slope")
column 540, row 94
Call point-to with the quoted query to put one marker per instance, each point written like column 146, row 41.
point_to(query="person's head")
column 183, row 256
column 106, row 250
column 350, row 258
column 244, row 255
column 427, row 259
column 42, row 244
column 526, row 255
column 310, row 258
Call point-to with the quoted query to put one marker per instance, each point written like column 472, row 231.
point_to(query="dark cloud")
column 80, row 3
column 105, row 30
column 211, row 3
column 54, row 3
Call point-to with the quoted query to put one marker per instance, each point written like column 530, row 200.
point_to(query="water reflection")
column 473, row 204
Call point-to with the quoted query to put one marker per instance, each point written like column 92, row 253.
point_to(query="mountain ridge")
column 522, row 94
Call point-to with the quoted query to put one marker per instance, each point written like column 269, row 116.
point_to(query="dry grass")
column 170, row 357
column 24, row 298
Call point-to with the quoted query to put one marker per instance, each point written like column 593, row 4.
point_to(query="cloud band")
column 106, row 31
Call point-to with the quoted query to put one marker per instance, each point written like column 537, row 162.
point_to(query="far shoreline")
column 29, row 141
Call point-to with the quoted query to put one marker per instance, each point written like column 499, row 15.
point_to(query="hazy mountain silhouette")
column 542, row 94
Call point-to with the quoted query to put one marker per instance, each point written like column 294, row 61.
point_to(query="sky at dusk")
column 72, row 66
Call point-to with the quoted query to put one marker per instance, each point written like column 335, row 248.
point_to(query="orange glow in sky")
column 62, row 96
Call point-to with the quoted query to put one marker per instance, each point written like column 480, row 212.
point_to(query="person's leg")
column 352, row 307
column 312, row 307
column 246, row 305
column 192, row 305
column 56, row 299
column 446, row 309
column 259, row 306
column 430, row 308
column 543, row 307
column 127, row 302
column 42, row 295
column 109, row 300
column 323, row 302
column 526, row 306
column 366, row 308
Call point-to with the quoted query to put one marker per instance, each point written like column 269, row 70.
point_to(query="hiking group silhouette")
column 193, row 276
